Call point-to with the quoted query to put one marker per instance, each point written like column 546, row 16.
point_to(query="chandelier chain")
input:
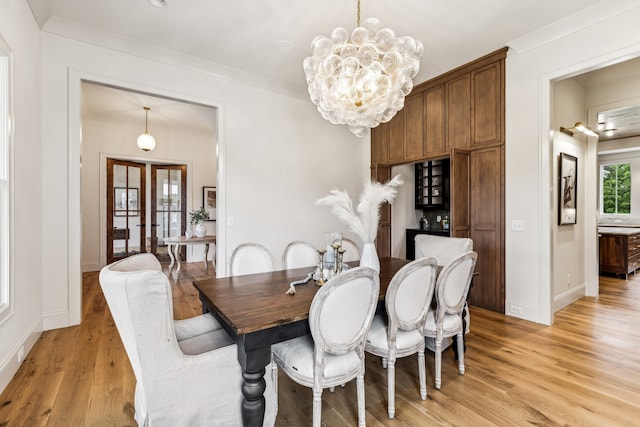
column 358, row 14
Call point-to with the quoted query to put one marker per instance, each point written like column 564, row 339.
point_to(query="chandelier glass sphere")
column 361, row 82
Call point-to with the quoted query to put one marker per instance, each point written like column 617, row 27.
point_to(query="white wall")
column 568, row 253
column 104, row 138
column 22, row 328
column 277, row 156
column 595, row 37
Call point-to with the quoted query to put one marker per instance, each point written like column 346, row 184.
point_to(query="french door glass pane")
column 126, row 210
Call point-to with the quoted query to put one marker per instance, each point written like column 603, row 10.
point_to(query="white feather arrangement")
column 364, row 220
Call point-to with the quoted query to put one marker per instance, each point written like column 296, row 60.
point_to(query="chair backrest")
column 299, row 254
column 249, row 258
column 342, row 310
column 409, row 295
column 453, row 284
column 352, row 250
column 444, row 249
column 134, row 289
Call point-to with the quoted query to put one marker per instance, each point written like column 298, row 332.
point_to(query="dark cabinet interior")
column 432, row 184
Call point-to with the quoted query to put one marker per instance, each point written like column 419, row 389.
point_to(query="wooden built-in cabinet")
column 619, row 252
column 459, row 115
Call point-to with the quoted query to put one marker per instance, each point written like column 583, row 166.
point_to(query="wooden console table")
column 173, row 247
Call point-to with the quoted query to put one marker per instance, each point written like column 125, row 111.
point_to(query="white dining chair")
column 249, row 258
column 339, row 318
column 186, row 371
column 300, row 254
column 352, row 250
column 407, row 302
column 445, row 321
column 444, row 249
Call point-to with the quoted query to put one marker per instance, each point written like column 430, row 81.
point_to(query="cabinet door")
column 414, row 140
column 487, row 226
column 396, row 138
column 460, row 226
column 383, row 240
column 488, row 109
column 380, row 144
column 434, row 118
column 459, row 112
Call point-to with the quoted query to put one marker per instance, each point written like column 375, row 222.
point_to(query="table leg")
column 177, row 256
column 253, row 365
column 171, row 257
column 206, row 254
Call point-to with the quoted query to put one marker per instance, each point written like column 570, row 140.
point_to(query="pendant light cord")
column 146, row 119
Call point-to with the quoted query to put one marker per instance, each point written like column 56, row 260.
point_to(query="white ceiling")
column 268, row 39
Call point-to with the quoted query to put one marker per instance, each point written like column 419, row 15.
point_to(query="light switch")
column 517, row 225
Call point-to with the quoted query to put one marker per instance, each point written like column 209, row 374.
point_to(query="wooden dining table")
column 256, row 311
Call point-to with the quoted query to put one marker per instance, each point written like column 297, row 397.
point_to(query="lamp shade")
column 146, row 142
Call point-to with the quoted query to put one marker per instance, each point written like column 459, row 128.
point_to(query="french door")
column 168, row 210
column 127, row 215
column 126, row 190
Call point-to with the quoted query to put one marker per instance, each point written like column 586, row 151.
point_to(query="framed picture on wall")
column 209, row 201
column 567, row 183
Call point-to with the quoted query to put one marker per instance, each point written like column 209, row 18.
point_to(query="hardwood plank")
column 580, row 371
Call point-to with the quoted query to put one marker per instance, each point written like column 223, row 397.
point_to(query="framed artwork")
column 567, row 182
column 209, row 201
column 125, row 201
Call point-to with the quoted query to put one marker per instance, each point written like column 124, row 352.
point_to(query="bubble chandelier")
column 362, row 82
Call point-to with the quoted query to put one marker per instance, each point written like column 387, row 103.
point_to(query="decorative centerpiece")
column 197, row 219
column 363, row 221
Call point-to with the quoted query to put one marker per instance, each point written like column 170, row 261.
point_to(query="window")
column 615, row 182
column 6, row 307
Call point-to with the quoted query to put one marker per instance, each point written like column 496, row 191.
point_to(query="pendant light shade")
column 361, row 82
column 146, row 142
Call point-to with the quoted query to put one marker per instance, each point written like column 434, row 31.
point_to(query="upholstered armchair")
column 187, row 371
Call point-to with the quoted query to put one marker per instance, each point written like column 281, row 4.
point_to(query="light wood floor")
column 582, row 371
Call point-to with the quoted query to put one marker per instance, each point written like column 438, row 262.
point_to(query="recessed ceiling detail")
column 619, row 123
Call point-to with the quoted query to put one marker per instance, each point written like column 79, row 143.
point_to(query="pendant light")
column 361, row 82
column 146, row 142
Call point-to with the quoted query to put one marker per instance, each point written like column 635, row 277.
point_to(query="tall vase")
column 369, row 256
column 201, row 229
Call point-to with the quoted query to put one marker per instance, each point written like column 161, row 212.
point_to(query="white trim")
column 583, row 18
column 7, row 268
column 10, row 365
column 60, row 319
column 568, row 297
column 74, row 142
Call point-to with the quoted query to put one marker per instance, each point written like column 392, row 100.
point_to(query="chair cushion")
column 295, row 357
column 203, row 343
column 378, row 342
column 451, row 326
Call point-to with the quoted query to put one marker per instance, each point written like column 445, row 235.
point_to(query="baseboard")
column 10, row 365
column 87, row 268
column 55, row 320
column 568, row 297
